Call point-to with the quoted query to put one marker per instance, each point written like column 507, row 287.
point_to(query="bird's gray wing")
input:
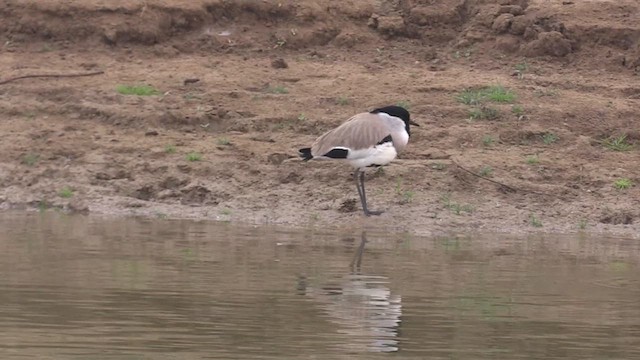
column 361, row 131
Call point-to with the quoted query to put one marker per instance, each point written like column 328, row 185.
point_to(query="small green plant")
column 30, row 159
column 225, row 212
column 278, row 89
column 484, row 113
column 380, row 171
column 302, row 117
column 404, row 104
column 532, row 159
column 465, row 53
column 342, row 101
column 487, row 140
column 455, row 207
column 439, row 166
column 623, row 184
column 545, row 92
column 43, row 205
column 582, row 224
column 66, row 192
column 170, row 149
column 140, row 90
column 521, row 69
column 549, row 138
column 534, row 221
column 470, row 97
column 618, row 143
column 194, row 156
column 498, row 93
column 486, row 171
column 223, row 141
column 517, row 110
column 406, row 196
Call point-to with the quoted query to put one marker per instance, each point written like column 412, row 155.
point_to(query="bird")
column 367, row 139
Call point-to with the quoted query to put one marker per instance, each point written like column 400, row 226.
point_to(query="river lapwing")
column 369, row 139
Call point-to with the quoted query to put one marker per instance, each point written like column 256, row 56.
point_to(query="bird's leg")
column 355, row 177
column 363, row 199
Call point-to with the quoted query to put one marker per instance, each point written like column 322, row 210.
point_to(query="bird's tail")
column 305, row 154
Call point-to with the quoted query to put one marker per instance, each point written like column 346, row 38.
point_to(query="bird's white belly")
column 378, row 155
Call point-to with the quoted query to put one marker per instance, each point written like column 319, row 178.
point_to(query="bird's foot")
column 373, row 212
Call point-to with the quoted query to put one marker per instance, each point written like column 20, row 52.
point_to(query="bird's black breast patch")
column 386, row 139
column 337, row 154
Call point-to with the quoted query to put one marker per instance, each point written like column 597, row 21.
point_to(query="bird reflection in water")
column 363, row 307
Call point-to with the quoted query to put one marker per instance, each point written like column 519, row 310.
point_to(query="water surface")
column 76, row 287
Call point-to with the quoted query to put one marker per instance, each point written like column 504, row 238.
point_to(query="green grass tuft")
column 223, row 141
column 278, row 89
column 534, row 221
column 30, row 159
column 623, row 184
column 66, row 192
column 194, row 156
column 404, row 104
column 486, row 171
column 342, row 101
column 618, row 143
column 533, row 159
column 487, row 140
column 549, row 138
column 170, row 149
column 140, row 90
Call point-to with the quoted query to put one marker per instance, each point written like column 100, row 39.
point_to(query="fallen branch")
column 49, row 75
column 495, row 182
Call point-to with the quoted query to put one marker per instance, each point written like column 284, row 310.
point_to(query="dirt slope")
column 273, row 75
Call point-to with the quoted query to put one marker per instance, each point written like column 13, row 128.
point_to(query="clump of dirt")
column 236, row 87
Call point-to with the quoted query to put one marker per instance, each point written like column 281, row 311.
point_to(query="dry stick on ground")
column 495, row 182
column 49, row 75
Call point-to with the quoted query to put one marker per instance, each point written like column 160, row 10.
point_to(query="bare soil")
column 246, row 83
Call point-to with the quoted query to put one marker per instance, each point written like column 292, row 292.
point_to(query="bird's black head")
column 399, row 112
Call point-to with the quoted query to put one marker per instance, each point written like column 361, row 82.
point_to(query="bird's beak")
column 413, row 123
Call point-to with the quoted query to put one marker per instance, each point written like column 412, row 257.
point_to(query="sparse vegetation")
column 486, row 171
column 439, row 166
column 470, row 97
column 617, row 143
column 225, row 212
column 170, row 149
column 404, row 104
column 582, row 224
column 517, row 110
column 278, row 89
column 534, row 221
column 302, row 117
column 342, row 101
column 139, row 90
column 521, row 69
column 194, row 156
column 66, row 192
column 623, row 184
column 545, row 92
column 549, row 138
column 455, row 207
column 487, row 140
column 406, row 196
column 30, row 159
column 483, row 113
column 223, row 141
column 465, row 53
column 532, row 159
column 498, row 93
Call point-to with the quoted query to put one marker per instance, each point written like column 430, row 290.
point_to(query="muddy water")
column 76, row 287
